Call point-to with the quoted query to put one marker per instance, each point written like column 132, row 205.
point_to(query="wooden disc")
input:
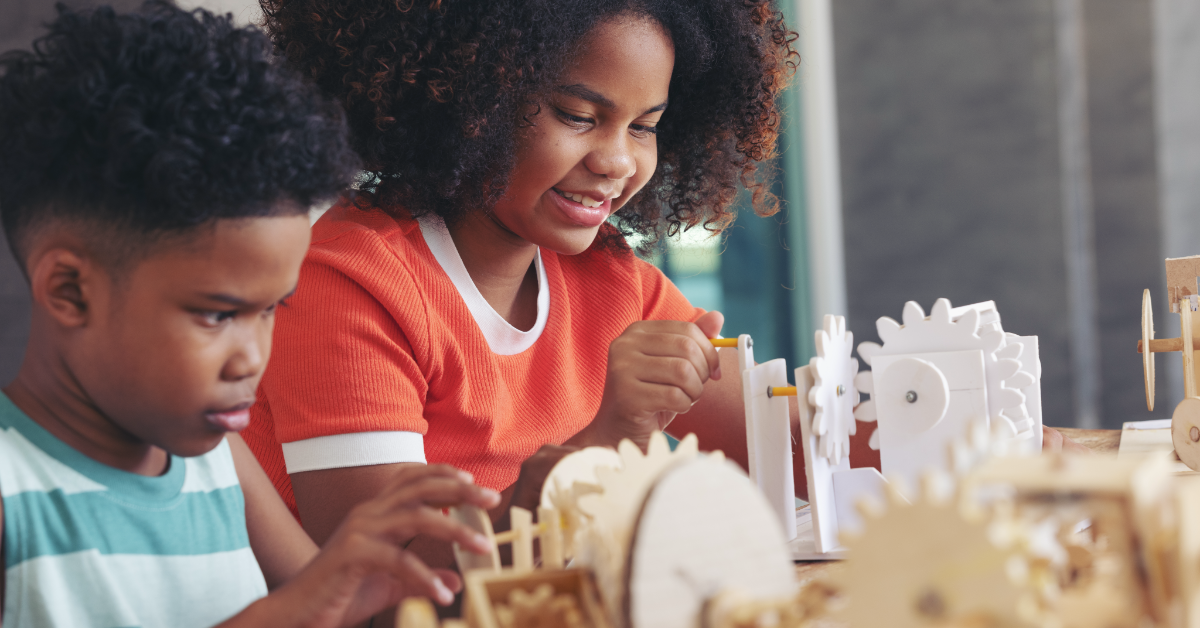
column 478, row 520
column 1185, row 432
column 1147, row 355
column 579, row 466
column 705, row 528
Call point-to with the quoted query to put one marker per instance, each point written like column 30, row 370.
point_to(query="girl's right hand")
column 656, row 369
column 364, row 566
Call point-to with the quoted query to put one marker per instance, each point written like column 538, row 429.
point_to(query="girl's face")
column 592, row 145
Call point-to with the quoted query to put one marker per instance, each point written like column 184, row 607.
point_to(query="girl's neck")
column 501, row 266
column 47, row 392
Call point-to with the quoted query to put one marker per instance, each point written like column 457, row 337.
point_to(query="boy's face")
column 173, row 350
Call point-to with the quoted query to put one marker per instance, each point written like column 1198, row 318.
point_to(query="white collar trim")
column 502, row 338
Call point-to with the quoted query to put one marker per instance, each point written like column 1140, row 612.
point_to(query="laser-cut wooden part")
column 1181, row 279
column 551, row 537
column 1185, row 432
column 769, row 439
column 478, row 520
column 1189, row 357
column 487, row 592
column 522, row 539
column 416, row 612
column 703, row 528
column 577, row 467
column 819, row 472
column 1148, row 341
column 910, row 449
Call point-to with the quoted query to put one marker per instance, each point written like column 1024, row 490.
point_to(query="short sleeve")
column 661, row 299
column 344, row 385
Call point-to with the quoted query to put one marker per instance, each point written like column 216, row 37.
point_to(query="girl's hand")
column 364, row 566
column 656, row 369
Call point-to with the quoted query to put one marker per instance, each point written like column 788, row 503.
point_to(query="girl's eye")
column 642, row 130
column 574, row 120
column 214, row 318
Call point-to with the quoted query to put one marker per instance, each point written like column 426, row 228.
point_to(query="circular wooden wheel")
column 1185, row 432
column 1147, row 355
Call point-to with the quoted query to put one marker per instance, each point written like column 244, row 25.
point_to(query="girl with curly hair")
column 473, row 300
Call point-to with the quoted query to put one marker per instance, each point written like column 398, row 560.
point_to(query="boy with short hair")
column 155, row 172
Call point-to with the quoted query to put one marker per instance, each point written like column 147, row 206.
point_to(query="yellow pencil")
column 781, row 391
column 723, row 342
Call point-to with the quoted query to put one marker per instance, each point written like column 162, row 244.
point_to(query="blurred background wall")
column 1044, row 154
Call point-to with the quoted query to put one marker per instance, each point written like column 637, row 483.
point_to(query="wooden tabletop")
column 1096, row 440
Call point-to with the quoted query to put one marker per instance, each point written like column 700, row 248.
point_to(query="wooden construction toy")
column 641, row 531
column 1182, row 286
column 933, row 375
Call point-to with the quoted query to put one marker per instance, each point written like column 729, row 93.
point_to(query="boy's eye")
column 278, row 304
column 214, row 318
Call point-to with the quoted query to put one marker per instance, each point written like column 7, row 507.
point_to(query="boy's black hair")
column 437, row 91
column 157, row 122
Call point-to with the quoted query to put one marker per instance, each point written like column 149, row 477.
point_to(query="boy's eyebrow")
column 586, row 93
column 238, row 301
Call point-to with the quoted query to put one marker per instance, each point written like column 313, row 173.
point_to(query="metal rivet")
column 770, row 392
column 841, row 390
column 911, row 396
column 749, row 343
column 1195, row 434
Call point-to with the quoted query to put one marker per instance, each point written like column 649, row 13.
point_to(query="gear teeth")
column 1011, row 350
column 936, row 488
column 873, row 442
column 1020, row 380
column 969, row 320
column 869, row 507
column 716, row 455
column 1007, row 397
column 940, row 313
column 658, row 445
column 821, row 340
column 993, row 341
column 887, row 328
column 866, row 411
column 864, row 382
column 1005, row 369
column 688, row 446
column 897, row 491
column 913, row 314
column 1004, row 427
column 868, row 349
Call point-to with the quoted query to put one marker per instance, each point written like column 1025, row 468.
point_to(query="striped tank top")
column 89, row 545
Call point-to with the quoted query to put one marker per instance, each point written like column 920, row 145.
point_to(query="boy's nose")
column 249, row 358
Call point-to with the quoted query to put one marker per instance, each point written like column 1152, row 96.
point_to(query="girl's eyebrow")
column 584, row 92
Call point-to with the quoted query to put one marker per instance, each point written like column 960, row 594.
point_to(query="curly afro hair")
column 161, row 121
column 437, row 90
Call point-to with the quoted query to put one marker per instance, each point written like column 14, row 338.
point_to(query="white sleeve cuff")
column 353, row 450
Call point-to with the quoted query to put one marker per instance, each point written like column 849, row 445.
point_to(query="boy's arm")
column 279, row 543
column 2, row 569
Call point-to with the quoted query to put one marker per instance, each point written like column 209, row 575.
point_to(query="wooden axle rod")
column 781, row 391
column 1167, row 345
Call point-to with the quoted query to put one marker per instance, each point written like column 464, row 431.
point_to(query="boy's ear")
column 61, row 281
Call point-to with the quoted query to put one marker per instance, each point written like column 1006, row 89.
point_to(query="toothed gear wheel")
column 939, row 333
column 834, row 393
column 609, row 515
column 942, row 561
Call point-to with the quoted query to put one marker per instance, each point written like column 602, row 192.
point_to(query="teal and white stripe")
column 89, row 545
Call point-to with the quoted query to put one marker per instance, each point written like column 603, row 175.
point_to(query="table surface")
column 1096, row 440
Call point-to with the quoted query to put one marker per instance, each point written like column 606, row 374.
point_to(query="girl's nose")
column 613, row 159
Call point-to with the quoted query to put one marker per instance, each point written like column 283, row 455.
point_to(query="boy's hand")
column 656, row 369
column 364, row 566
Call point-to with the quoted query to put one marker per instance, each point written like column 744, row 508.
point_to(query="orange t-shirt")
column 388, row 353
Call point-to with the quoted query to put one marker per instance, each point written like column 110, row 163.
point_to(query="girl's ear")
column 60, row 279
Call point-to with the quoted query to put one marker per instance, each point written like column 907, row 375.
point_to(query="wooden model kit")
column 1182, row 279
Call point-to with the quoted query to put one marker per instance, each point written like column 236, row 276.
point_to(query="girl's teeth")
column 581, row 199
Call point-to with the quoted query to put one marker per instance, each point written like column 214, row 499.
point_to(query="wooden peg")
column 1189, row 357
column 1167, row 345
column 522, row 542
column 416, row 612
column 781, row 391
column 550, row 524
